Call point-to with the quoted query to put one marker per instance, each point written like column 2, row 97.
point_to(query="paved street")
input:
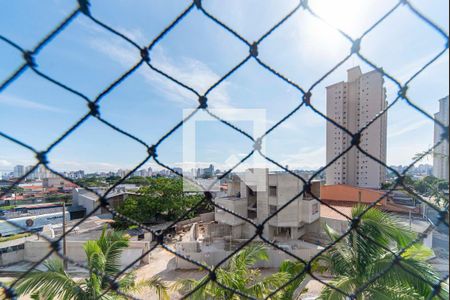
column 440, row 243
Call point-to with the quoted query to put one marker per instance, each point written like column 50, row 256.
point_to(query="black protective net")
column 307, row 102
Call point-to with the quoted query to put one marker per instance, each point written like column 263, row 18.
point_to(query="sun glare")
column 346, row 15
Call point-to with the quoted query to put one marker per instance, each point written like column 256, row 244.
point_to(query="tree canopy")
column 163, row 199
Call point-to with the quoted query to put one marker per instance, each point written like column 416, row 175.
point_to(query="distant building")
column 178, row 170
column 206, row 172
column 353, row 104
column 164, row 173
column 19, row 171
column 32, row 175
column 90, row 201
column 58, row 183
column 77, row 174
column 440, row 155
column 140, row 173
column 42, row 173
column 121, row 173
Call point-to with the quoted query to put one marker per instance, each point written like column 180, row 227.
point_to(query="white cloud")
column 408, row 70
column 403, row 155
column 189, row 71
column 14, row 101
column 306, row 158
column 401, row 129
column 65, row 165
column 4, row 163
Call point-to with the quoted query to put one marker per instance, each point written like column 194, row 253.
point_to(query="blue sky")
column 198, row 52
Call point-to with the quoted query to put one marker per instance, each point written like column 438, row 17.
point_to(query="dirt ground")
column 162, row 264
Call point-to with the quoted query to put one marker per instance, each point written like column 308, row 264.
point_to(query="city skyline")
column 421, row 168
column 30, row 107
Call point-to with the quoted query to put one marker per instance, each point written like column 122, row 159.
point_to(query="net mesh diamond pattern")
column 306, row 102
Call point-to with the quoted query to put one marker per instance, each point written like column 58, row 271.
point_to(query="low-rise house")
column 58, row 183
column 88, row 200
column 397, row 201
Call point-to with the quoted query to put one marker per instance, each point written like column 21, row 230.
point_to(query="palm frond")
column 263, row 288
column 293, row 269
column 248, row 257
column 412, row 274
column 397, row 292
column 188, row 285
column 95, row 258
column 112, row 245
column 391, row 229
column 156, row 284
column 343, row 283
column 51, row 283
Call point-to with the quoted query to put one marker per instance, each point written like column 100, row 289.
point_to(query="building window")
column 272, row 191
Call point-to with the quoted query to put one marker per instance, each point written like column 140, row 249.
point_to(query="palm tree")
column 356, row 259
column 103, row 261
column 240, row 274
column 294, row 290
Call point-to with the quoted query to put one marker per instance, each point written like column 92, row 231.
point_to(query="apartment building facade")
column 353, row 104
column 440, row 154
column 19, row 171
column 259, row 200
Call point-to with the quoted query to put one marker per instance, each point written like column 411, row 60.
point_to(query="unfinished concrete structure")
column 261, row 194
column 256, row 195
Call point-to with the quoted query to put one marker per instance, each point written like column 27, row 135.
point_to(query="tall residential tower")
column 440, row 155
column 353, row 104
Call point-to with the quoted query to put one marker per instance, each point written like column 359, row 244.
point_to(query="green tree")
column 13, row 190
column 137, row 180
column 103, row 260
column 91, row 182
column 431, row 186
column 425, row 155
column 439, row 192
column 163, row 198
column 356, row 259
column 239, row 274
column 112, row 179
column 442, row 185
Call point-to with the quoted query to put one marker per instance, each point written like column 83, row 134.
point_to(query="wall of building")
column 35, row 250
column 218, row 230
column 86, row 199
column 12, row 257
column 353, row 104
column 288, row 187
column 373, row 140
column 441, row 153
column 13, row 251
column 236, row 205
column 310, row 211
column 206, row 217
column 276, row 257
column 335, row 144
